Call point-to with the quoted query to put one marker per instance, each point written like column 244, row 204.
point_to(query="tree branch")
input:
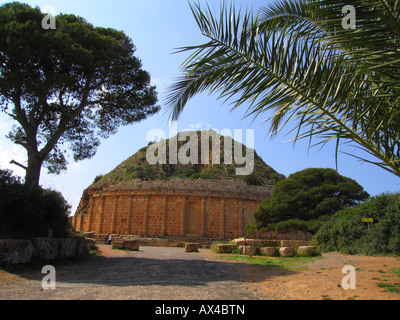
column 18, row 164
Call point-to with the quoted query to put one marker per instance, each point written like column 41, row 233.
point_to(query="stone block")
column 225, row 248
column 81, row 246
column 191, row 247
column 91, row 244
column 89, row 234
column 269, row 251
column 132, row 245
column 307, row 251
column 270, row 243
column 287, row 251
column 118, row 244
column 47, row 248
column 240, row 242
column 66, row 248
column 248, row 250
column 14, row 252
column 294, row 243
column 250, row 242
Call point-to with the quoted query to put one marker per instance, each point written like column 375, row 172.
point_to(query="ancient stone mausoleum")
column 217, row 209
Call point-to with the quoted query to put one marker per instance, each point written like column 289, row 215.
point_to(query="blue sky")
column 157, row 28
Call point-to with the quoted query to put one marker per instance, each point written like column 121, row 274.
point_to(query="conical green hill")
column 138, row 167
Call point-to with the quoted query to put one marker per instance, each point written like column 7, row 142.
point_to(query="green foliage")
column 68, row 86
column 346, row 233
column 28, row 211
column 306, row 198
column 98, row 178
column 143, row 172
column 292, row 62
column 293, row 225
column 250, row 229
column 137, row 167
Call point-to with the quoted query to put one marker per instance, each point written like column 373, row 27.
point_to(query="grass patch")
column 396, row 270
column 390, row 287
column 269, row 263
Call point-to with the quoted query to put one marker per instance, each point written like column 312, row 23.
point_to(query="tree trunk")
column 33, row 170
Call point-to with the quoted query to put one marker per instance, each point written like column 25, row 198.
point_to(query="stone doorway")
column 193, row 220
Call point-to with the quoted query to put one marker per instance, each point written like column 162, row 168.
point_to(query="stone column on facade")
column 203, row 216
column 184, row 213
column 81, row 223
column 114, row 214
column 100, row 220
column 241, row 218
column 223, row 200
column 164, row 217
column 90, row 217
column 130, row 213
column 146, row 216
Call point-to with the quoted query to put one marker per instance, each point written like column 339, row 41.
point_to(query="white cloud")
column 155, row 82
column 200, row 125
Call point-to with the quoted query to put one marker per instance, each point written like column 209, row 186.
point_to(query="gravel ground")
column 155, row 273
column 152, row 273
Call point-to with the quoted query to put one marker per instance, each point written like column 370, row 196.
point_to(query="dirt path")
column 322, row 279
column 171, row 274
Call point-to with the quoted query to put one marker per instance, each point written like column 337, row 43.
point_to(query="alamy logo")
column 49, row 21
column 49, row 280
column 349, row 21
column 349, row 281
column 189, row 151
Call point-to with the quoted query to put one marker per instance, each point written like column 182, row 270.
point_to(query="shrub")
column 304, row 200
column 345, row 232
column 28, row 211
column 291, row 225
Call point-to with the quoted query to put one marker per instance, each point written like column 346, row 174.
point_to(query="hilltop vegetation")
column 137, row 167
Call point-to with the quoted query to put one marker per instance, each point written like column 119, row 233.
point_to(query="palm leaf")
column 292, row 61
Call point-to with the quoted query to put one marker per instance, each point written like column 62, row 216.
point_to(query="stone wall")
column 178, row 207
column 15, row 252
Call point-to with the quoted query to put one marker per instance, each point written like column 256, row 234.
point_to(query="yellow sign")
column 367, row 219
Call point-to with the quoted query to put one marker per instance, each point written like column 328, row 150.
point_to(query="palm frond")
column 292, row 60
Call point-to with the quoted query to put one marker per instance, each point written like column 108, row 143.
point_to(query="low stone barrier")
column 226, row 248
column 269, row 251
column 91, row 243
column 307, row 251
column 192, row 247
column 248, row 250
column 293, row 243
column 286, row 251
column 132, row 245
column 47, row 248
column 257, row 242
column 15, row 252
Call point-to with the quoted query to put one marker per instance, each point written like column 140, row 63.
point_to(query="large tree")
column 308, row 195
column 71, row 85
column 295, row 62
